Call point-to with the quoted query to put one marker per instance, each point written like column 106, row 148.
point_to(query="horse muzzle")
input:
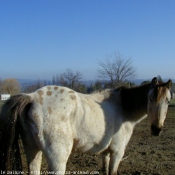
column 155, row 131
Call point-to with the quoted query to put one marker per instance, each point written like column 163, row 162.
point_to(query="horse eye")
column 168, row 101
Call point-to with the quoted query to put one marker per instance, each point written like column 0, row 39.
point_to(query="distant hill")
column 137, row 81
column 26, row 82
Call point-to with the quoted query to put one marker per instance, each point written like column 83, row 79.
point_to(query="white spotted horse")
column 57, row 121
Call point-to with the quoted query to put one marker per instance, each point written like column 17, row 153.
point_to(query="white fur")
column 63, row 121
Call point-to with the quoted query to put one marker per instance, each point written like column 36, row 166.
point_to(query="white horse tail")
column 11, row 118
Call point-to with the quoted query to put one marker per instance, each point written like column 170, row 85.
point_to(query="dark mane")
column 134, row 99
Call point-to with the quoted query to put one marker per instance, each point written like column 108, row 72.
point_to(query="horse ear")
column 154, row 81
column 169, row 84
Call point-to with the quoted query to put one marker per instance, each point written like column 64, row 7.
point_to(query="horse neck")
column 134, row 102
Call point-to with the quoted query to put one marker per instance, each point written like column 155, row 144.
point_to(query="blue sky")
column 42, row 38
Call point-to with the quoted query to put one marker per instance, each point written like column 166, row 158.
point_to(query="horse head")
column 158, row 100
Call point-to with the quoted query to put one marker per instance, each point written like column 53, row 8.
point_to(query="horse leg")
column 115, row 159
column 57, row 153
column 106, row 158
column 34, row 161
column 33, row 153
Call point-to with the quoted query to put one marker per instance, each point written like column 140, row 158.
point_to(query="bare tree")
column 62, row 81
column 116, row 69
column 53, row 80
column 70, row 78
column 10, row 86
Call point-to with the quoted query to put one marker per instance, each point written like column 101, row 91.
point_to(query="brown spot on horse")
column 40, row 93
column 49, row 93
column 56, row 88
column 61, row 91
column 73, row 97
column 50, row 110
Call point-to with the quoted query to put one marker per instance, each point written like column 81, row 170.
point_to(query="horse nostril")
column 155, row 131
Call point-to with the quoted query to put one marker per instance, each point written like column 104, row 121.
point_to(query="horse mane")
column 135, row 98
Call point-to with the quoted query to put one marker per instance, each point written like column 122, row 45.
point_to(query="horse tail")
column 11, row 120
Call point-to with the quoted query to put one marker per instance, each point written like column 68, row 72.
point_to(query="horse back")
column 87, row 122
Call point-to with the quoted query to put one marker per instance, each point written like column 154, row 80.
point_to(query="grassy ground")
column 1, row 103
column 172, row 102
